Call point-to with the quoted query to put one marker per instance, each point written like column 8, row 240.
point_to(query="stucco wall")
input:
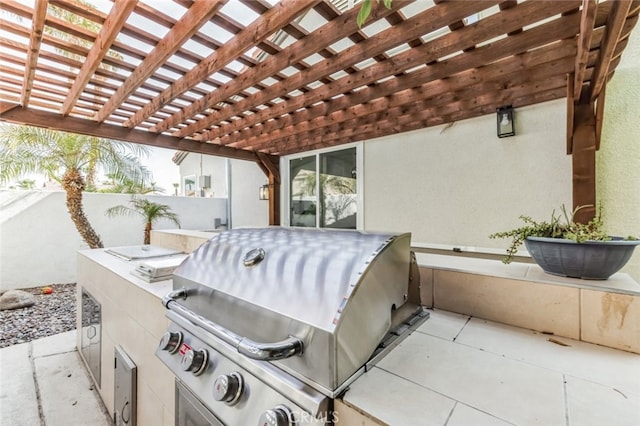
column 247, row 209
column 38, row 242
column 246, row 178
column 618, row 160
column 458, row 184
column 203, row 165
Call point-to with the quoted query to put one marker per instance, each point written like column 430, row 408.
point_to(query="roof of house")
column 250, row 79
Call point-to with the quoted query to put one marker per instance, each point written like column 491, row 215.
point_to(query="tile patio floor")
column 453, row 371
column 44, row 382
column 461, row 371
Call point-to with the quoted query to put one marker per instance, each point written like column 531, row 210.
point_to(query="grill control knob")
column 171, row 341
column 277, row 416
column 195, row 360
column 228, row 388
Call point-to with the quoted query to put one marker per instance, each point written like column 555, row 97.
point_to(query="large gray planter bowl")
column 590, row 260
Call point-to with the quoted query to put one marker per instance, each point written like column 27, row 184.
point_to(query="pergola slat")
column 258, row 31
column 587, row 21
column 617, row 17
column 430, row 51
column 110, row 29
column 551, row 61
column 37, row 26
column 331, row 32
column 394, row 112
column 198, row 14
column 294, row 75
column 430, row 20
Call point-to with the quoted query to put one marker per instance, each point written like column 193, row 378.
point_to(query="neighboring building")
column 236, row 180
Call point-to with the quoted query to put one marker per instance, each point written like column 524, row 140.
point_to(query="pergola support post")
column 272, row 169
column 274, row 200
column 583, row 153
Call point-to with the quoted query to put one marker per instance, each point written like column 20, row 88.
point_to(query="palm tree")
column 27, row 184
column 67, row 158
column 128, row 186
column 150, row 211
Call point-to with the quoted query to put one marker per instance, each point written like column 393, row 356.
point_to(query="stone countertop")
column 124, row 268
column 618, row 283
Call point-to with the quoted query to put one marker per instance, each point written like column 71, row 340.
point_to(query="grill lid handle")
column 256, row 350
column 270, row 351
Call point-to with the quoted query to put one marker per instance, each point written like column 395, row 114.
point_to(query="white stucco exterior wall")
column 456, row 185
column 205, row 165
column 618, row 160
column 38, row 241
column 247, row 210
column 246, row 177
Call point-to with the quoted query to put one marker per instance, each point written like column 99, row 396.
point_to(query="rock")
column 14, row 299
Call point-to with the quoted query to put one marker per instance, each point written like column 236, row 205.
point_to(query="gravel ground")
column 52, row 314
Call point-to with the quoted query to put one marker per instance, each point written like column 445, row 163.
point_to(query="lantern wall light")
column 264, row 192
column 506, row 124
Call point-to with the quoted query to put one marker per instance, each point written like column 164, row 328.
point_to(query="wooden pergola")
column 250, row 80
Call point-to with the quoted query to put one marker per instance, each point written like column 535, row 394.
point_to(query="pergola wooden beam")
column 429, row 20
column 120, row 11
column 584, row 117
column 255, row 33
column 312, row 81
column 587, row 20
column 570, row 111
column 448, row 44
column 436, row 93
column 331, row 32
column 196, row 16
column 7, row 106
column 271, row 168
column 423, row 120
column 444, row 109
column 446, row 104
column 84, row 34
column 583, row 160
column 509, row 47
column 37, row 26
column 600, row 114
column 617, row 16
column 39, row 118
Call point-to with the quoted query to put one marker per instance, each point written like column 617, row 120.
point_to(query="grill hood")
column 336, row 291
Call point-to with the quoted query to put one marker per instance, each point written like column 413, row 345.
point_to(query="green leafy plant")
column 555, row 228
column 365, row 10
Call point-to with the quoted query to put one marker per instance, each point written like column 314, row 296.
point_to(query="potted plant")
column 570, row 249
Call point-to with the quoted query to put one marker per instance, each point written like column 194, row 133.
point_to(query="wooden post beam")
column 271, row 168
column 584, row 161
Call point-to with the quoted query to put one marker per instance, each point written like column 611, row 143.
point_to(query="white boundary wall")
column 38, row 240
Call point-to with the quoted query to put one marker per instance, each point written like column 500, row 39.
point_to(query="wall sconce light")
column 506, row 124
column 263, row 193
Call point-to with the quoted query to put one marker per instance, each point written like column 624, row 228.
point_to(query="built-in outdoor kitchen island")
column 425, row 379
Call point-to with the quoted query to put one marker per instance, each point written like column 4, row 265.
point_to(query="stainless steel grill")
column 269, row 325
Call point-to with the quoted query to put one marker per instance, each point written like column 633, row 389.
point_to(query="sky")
column 165, row 172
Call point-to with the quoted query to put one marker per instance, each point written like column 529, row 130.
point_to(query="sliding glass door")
column 323, row 190
column 303, row 189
